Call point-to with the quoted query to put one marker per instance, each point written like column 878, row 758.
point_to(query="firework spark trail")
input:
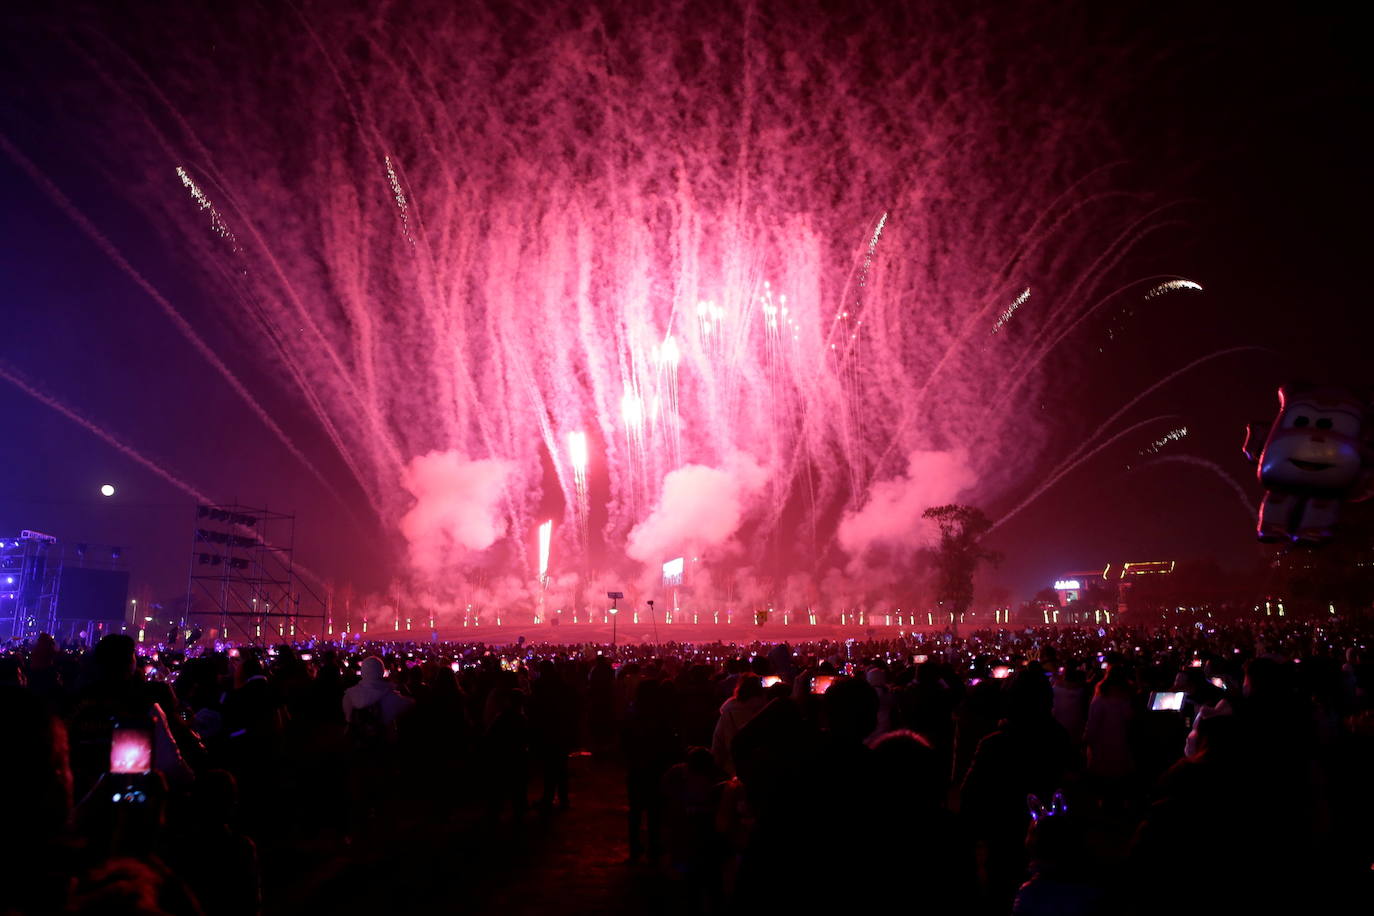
column 1247, row 503
column 577, row 457
column 846, row 327
column 1173, row 435
column 1010, row 310
column 1065, row 469
column 399, row 194
column 216, row 220
column 114, row 254
column 545, row 538
column 1171, row 285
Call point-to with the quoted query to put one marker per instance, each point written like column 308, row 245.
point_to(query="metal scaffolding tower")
column 242, row 562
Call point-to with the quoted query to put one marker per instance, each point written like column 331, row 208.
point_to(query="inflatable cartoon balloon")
column 1316, row 456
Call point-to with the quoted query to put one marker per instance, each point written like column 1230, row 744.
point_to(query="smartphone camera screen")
column 1171, row 699
column 131, row 750
column 821, row 683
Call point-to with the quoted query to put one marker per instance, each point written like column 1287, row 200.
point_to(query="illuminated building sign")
column 1063, row 584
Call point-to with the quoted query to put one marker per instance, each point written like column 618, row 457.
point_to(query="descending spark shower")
column 719, row 280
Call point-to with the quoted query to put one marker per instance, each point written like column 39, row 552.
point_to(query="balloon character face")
column 1315, row 456
column 1314, row 444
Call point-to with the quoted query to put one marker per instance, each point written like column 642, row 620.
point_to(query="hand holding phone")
column 821, row 683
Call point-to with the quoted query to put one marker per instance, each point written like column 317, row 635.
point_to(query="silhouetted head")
column 1029, row 695
column 115, row 658
column 372, row 668
column 748, row 686
column 851, row 708
column 905, row 761
column 1263, row 678
column 700, row 761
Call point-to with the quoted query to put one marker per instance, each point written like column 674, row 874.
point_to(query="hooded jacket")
column 374, row 688
column 733, row 716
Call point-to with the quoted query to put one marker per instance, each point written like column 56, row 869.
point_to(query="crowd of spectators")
column 1046, row 770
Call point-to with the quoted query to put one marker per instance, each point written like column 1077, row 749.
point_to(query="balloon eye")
column 1324, row 423
column 1300, row 422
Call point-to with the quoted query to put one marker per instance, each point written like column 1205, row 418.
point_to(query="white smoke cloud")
column 457, row 508
column 700, row 507
column 892, row 515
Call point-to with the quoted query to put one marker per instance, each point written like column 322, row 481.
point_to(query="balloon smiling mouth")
column 1308, row 465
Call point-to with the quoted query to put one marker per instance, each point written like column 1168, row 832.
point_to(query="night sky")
column 1254, row 123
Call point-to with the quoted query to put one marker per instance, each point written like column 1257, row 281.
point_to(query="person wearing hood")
column 877, row 679
column 371, row 707
column 749, row 698
column 375, row 691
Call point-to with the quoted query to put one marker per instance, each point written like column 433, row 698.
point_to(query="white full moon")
column 107, row 489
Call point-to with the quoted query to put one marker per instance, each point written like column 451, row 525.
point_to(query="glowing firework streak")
column 1170, row 285
column 577, row 454
column 577, row 457
column 669, row 356
column 1173, row 435
column 217, row 222
column 402, row 206
column 1011, row 309
column 632, row 412
column 872, row 248
column 545, row 536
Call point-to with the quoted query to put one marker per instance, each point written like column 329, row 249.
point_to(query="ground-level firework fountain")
column 750, row 286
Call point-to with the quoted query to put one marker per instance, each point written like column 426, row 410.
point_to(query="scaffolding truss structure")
column 243, row 576
column 31, row 570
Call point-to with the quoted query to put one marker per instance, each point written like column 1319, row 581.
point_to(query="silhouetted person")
column 1029, row 753
column 218, row 862
column 691, row 797
column 651, row 746
column 553, row 724
column 506, row 749
column 35, row 842
column 1062, row 881
column 748, row 699
column 935, row 870
column 601, row 703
